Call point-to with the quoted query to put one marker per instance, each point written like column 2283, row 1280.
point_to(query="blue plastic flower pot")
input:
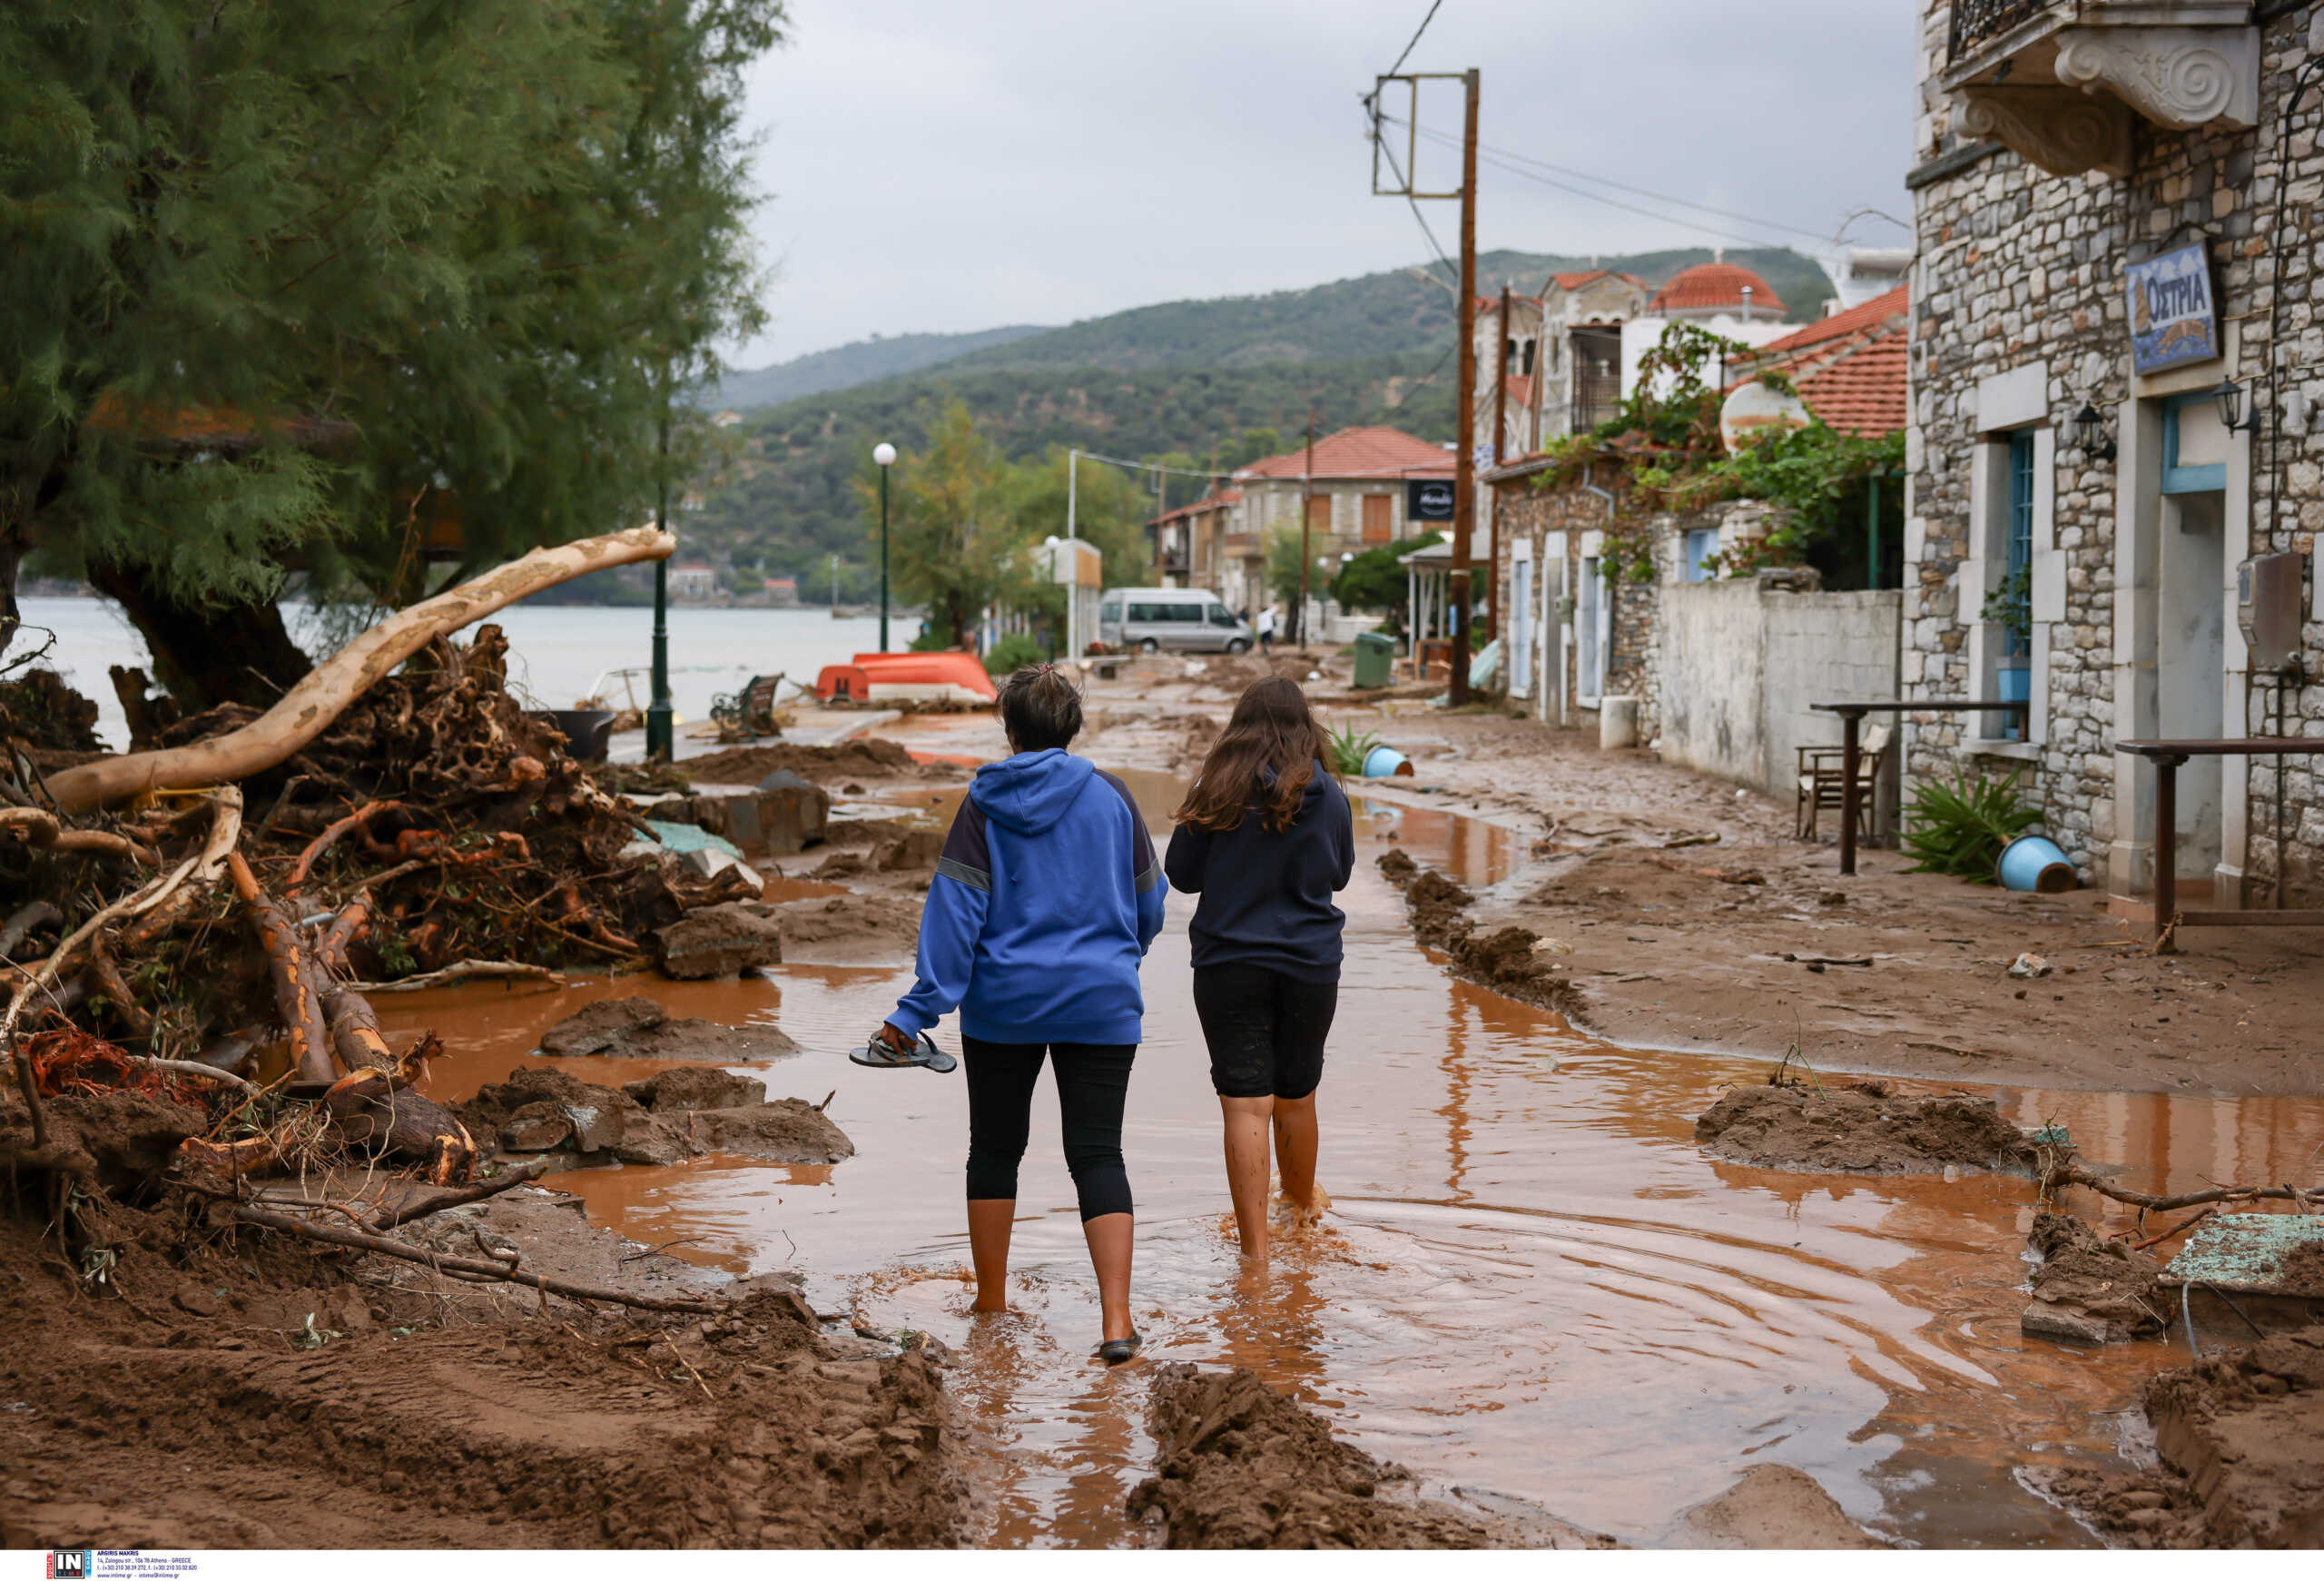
column 2033, row 864
column 1381, row 761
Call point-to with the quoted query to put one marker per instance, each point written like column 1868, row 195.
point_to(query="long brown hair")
column 1264, row 757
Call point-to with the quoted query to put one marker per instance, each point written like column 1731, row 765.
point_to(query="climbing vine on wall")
column 1666, row 444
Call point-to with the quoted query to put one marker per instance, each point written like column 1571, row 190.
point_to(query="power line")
column 1415, row 40
column 1149, row 466
column 1510, row 161
column 1413, row 202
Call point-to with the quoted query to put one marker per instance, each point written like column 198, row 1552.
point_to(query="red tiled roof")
column 1206, row 503
column 1851, row 368
column 1863, row 315
column 1575, row 281
column 1365, row 452
column 1714, row 285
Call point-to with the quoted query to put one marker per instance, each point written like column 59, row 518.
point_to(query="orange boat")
column 907, row 678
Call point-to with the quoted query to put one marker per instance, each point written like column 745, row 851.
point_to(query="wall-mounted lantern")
column 2090, row 433
column 2228, row 394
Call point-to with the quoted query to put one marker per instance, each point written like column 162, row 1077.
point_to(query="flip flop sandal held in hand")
column 877, row 1055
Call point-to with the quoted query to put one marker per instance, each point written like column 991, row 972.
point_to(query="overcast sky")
column 955, row 165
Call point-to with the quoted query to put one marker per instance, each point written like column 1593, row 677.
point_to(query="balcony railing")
column 1976, row 22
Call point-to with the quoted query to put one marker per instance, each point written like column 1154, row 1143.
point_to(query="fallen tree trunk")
column 295, row 997
column 463, row 971
column 327, row 690
column 2147, row 1202
column 467, row 1267
column 518, row 1175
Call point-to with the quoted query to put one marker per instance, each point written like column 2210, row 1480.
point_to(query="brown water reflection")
column 1532, row 1280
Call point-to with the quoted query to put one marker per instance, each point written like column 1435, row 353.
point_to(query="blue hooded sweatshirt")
column 1043, row 904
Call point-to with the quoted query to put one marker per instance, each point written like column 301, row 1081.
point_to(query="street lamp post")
column 661, row 735
column 885, row 454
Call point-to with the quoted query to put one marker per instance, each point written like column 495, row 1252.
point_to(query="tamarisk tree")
column 313, row 285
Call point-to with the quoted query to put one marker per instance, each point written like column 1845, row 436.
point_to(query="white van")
column 1187, row 619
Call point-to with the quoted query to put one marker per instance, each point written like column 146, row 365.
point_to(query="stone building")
column 1363, row 488
column 2115, row 218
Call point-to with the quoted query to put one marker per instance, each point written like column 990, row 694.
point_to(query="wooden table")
column 1852, row 716
column 2166, row 756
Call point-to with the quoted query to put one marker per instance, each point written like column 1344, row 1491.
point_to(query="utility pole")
column 1464, row 464
column 1402, row 181
column 1307, row 514
column 1499, row 438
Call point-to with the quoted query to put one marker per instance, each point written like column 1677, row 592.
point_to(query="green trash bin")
column 1375, row 659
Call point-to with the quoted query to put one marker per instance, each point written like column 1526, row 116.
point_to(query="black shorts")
column 1266, row 1030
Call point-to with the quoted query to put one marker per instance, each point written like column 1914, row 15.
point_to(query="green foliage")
column 1348, row 750
column 1394, row 313
column 793, row 502
column 1673, row 405
column 280, row 276
column 1013, row 653
column 2011, row 603
column 958, row 545
column 1961, row 828
column 1373, row 580
column 1815, row 473
column 1284, row 562
column 1218, row 383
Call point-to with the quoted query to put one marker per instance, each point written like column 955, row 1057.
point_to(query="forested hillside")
column 1199, row 384
column 857, row 362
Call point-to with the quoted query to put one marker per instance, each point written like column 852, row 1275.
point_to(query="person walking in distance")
column 1044, row 901
column 1266, row 838
column 1266, row 629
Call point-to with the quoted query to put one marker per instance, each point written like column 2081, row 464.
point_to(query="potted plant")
column 2011, row 604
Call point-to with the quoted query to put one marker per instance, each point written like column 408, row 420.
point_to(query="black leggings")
column 1092, row 1081
column 1266, row 1031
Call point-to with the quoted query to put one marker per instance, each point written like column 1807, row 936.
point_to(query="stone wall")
column 1634, row 665
column 2019, row 303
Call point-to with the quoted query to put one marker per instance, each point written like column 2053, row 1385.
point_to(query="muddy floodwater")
column 1532, row 1285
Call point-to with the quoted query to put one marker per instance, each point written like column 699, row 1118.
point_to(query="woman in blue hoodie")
column 1267, row 838
column 1044, row 901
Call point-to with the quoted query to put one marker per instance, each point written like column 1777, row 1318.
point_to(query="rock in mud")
column 695, row 1087
column 1861, row 1126
column 1397, row 867
column 1773, row 1507
column 718, row 941
column 847, row 927
column 605, row 1123
column 789, row 1130
column 1239, row 1466
column 2090, row 1291
column 2241, row 1439
column 638, row 1028
column 538, row 1127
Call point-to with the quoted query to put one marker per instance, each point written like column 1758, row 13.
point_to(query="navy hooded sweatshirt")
column 1267, row 894
column 1043, row 904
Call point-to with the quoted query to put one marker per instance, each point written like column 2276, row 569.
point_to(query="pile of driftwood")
column 202, row 925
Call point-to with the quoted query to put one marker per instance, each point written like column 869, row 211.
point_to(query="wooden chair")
column 1823, row 781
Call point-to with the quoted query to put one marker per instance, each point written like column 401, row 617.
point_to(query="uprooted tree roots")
column 195, row 957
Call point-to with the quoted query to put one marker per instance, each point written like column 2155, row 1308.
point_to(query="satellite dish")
column 1754, row 407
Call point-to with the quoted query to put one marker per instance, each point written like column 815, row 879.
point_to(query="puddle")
column 1533, row 1283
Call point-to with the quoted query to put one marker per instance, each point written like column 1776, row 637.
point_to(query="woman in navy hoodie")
column 1044, row 901
column 1267, row 838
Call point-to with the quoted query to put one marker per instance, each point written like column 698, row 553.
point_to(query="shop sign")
column 1428, row 500
column 2174, row 314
